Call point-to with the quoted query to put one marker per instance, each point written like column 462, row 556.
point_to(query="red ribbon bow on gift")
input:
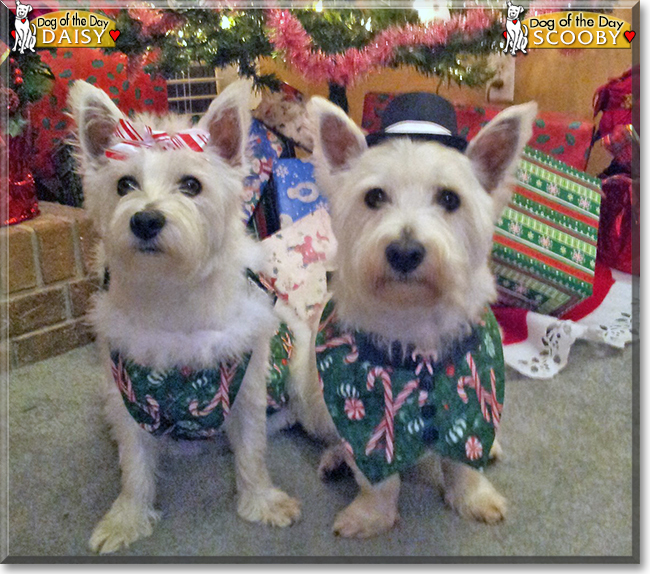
column 130, row 140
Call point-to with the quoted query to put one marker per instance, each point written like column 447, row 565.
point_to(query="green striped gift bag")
column 544, row 251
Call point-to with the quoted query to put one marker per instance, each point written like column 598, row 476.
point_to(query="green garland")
column 30, row 79
column 219, row 38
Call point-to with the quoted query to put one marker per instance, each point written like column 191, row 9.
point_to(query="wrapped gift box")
column 131, row 90
column 296, row 193
column 264, row 149
column 544, row 252
column 297, row 261
column 554, row 133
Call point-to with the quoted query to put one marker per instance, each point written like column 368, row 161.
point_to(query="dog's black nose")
column 147, row 224
column 405, row 255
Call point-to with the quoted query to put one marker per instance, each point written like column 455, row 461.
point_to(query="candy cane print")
column 473, row 382
column 460, row 387
column 478, row 388
column 221, row 397
column 404, row 394
column 386, row 428
column 122, row 379
column 377, row 373
column 346, row 339
column 152, row 408
column 496, row 407
column 287, row 345
column 486, row 401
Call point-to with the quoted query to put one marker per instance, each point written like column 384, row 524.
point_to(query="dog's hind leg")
column 470, row 493
column 259, row 500
column 132, row 515
column 464, row 489
column 373, row 511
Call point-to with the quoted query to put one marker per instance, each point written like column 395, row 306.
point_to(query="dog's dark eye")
column 126, row 184
column 190, row 186
column 448, row 199
column 375, row 198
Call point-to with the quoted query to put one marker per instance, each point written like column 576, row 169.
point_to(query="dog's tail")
column 524, row 29
column 33, row 28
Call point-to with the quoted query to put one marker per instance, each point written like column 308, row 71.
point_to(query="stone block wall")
column 46, row 280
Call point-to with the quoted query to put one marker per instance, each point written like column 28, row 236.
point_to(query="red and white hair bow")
column 130, row 139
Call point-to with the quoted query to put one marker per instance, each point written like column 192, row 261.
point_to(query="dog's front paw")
column 479, row 502
column 122, row 525
column 270, row 506
column 362, row 519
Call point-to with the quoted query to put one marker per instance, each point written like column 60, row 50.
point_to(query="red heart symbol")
column 115, row 34
column 514, row 21
column 13, row 34
column 505, row 34
column 629, row 35
column 23, row 20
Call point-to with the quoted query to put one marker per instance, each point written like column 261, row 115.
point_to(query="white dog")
column 403, row 338
column 183, row 329
column 25, row 36
column 517, row 33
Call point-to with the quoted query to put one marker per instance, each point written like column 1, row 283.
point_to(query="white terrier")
column 182, row 328
column 409, row 355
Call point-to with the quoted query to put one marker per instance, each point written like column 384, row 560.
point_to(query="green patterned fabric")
column 276, row 383
column 191, row 404
column 544, row 251
column 182, row 402
column 391, row 405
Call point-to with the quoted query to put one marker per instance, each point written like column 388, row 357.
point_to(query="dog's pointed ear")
column 228, row 122
column 495, row 151
column 96, row 117
column 338, row 141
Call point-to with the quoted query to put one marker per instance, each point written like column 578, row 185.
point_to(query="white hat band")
column 417, row 127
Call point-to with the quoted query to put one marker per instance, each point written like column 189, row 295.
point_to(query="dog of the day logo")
column 516, row 33
column 578, row 30
column 24, row 32
column 62, row 29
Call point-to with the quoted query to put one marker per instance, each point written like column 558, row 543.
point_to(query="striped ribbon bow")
column 131, row 140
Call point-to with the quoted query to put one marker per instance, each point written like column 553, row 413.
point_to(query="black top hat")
column 421, row 116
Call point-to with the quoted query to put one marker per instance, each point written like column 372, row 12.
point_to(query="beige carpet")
column 568, row 475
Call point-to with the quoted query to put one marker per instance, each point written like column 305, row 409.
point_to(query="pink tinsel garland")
column 288, row 36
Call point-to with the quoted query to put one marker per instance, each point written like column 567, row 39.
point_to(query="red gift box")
column 132, row 91
column 555, row 134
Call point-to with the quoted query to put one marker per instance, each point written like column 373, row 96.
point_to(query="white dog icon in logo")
column 25, row 36
column 516, row 32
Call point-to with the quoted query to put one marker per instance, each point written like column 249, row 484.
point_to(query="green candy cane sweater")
column 187, row 403
column 388, row 411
